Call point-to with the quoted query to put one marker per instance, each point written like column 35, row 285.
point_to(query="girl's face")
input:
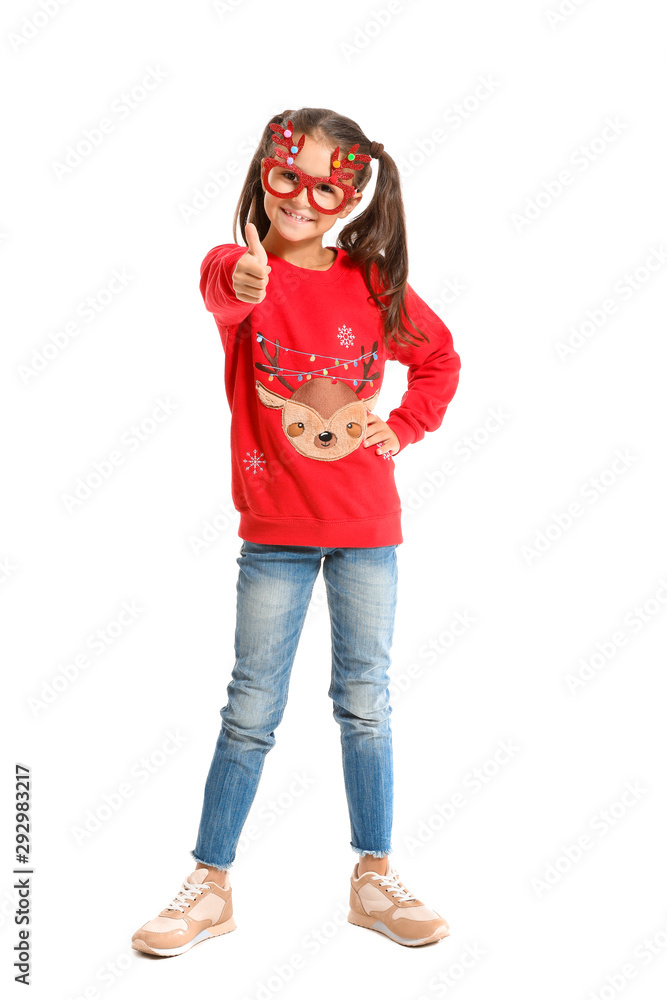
column 314, row 159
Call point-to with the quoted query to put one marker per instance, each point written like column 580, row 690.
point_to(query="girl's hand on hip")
column 251, row 274
column 380, row 434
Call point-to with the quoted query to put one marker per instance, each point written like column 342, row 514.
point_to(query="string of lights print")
column 324, row 370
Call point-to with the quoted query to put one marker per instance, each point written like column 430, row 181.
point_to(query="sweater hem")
column 367, row 533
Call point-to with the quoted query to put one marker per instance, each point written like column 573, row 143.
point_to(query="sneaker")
column 382, row 903
column 200, row 910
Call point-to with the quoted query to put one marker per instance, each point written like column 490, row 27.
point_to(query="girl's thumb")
column 254, row 245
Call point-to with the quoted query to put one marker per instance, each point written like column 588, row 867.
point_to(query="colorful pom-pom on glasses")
column 284, row 179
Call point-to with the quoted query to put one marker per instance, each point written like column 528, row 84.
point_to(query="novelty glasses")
column 284, row 179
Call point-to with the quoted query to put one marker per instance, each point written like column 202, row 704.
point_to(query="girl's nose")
column 301, row 200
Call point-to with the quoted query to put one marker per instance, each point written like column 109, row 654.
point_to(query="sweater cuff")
column 216, row 286
column 402, row 429
column 229, row 266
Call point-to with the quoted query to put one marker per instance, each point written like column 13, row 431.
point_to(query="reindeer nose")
column 324, row 439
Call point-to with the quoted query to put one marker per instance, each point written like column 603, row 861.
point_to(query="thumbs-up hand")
column 251, row 274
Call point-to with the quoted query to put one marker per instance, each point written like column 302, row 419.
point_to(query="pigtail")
column 376, row 240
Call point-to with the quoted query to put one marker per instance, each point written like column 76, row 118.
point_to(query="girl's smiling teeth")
column 293, row 215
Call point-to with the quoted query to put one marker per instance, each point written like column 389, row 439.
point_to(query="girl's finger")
column 254, row 245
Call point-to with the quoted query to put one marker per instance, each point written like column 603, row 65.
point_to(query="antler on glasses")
column 285, row 149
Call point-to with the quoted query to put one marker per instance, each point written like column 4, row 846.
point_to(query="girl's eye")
column 290, row 175
column 326, row 188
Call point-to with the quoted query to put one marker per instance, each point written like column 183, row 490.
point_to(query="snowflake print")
column 254, row 461
column 345, row 336
column 387, row 454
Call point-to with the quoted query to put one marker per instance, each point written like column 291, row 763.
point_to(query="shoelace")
column 393, row 882
column 186, row 894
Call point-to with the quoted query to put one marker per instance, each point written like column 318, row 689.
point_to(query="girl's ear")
column 351, row 205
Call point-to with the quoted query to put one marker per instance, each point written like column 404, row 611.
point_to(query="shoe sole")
column 361, row 920
column 209, row 932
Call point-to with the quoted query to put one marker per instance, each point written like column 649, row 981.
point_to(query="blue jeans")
column 274, row 589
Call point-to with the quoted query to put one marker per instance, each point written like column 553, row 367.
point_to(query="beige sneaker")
column 382, row 903
column 200, row 910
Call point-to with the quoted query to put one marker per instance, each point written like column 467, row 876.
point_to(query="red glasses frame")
column 306, row 180
column 339, row 170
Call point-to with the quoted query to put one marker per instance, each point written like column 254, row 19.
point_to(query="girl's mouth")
column 295, row 218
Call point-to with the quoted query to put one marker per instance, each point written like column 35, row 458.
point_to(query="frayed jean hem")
column 374, row 854
column 211, row 864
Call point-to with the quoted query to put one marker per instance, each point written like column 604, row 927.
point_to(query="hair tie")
column 376, row 150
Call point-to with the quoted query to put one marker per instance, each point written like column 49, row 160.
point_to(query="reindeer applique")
column 323, row 418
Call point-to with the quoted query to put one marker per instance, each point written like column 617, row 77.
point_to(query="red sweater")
column 302, row 369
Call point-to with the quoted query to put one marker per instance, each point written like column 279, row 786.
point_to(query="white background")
column 525, row 920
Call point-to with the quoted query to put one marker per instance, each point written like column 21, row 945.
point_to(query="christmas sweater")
column 302, row 369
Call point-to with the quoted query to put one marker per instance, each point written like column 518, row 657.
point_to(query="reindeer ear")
column 269, row 398
column 372, row 400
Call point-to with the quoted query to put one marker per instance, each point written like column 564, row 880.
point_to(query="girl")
column 307, row 330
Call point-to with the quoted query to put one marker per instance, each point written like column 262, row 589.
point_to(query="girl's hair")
column 374, row 240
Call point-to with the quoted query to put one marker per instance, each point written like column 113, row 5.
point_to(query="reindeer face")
column 322, row 420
